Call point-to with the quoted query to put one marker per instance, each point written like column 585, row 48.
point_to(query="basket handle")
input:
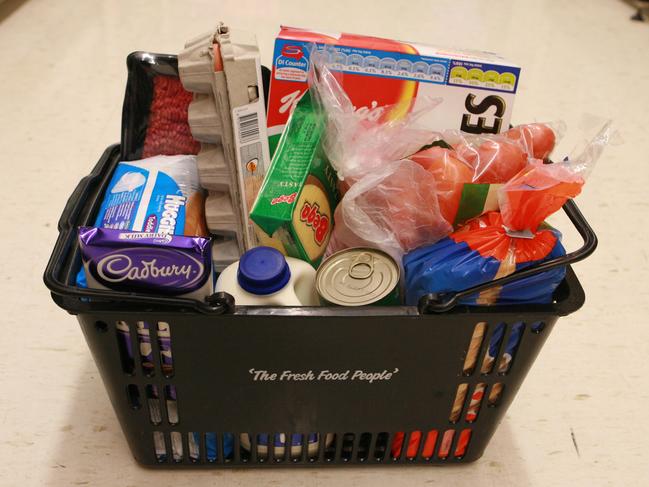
column 75, row 202
column 71, row 208
column 438, row 303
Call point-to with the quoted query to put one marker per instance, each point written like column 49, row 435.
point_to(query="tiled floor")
column 579, row 418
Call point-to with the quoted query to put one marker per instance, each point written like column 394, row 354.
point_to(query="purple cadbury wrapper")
column 173, row 265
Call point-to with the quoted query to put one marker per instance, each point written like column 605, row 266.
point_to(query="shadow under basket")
column 216, row 385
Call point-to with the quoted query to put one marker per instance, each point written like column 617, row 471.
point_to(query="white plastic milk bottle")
column 264, row 277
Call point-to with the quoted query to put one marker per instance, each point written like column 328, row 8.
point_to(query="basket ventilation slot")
column 475, row 345
column 142, row 339
column 491, row 354
column 146, row 350
column 494, row 352
column 153, row 402
column 125, row 347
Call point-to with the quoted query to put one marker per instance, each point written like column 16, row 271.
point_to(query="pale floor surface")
column 63, row 75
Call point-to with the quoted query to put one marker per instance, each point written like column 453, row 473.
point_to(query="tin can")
column 358, row 276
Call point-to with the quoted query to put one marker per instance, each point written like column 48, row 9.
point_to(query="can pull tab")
column 362, row 266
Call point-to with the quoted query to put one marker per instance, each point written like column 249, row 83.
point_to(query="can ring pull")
column 362, row 266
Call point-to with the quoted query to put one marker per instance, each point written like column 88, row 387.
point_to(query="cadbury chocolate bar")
column 173, row 265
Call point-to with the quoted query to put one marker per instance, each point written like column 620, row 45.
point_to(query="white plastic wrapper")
column 158, row 194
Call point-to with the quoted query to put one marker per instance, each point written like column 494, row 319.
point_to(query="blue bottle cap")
column 263, row 270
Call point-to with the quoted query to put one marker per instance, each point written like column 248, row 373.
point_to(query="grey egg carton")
column 227, row 116
column 219, row 214
column 225, row 251
column 213, row 170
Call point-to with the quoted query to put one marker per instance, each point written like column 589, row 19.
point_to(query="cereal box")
column 384, row 78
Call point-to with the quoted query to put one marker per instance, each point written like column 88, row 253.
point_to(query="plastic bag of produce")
column 469, row 169
column 390, row 203
column 393, row 208
column 499, row 243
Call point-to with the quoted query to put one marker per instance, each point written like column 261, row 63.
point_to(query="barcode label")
column 248, row 128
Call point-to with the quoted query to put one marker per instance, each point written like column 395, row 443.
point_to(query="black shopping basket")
column 210, row 384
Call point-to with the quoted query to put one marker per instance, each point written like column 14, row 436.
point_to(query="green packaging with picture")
column 294, row 209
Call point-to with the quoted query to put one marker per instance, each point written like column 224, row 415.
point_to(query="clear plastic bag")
column 450, row 172
column 358, row 142
column 390, row 203
column 538, row 139
column 394, row 208
column 542, row 189
column 495, row 159
column 465, row 166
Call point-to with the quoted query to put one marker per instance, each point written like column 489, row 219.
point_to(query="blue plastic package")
column 481, row 252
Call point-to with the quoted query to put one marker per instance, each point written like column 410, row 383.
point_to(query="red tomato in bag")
column 494, row 161
column 539, row 138
column 450, row 175
column 404, row 204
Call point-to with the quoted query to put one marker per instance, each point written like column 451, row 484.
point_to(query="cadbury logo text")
column 120, row 267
